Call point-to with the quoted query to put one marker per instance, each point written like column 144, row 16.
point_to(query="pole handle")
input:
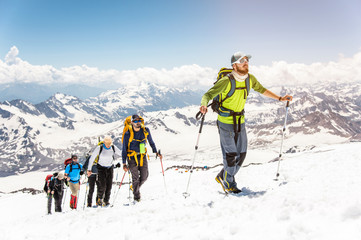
column 199, row 115
column 288, row 104
column 156, row 156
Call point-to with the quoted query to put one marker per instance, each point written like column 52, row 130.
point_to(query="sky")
column 165, row 36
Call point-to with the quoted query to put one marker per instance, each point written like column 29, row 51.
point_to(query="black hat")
column 74, row 156
column 135, row 117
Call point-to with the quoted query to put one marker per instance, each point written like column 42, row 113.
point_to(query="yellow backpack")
column 128, row 127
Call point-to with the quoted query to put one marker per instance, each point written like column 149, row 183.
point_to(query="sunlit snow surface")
column 317, row 196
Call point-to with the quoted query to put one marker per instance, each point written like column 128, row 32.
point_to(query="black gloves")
column 117, row 166
column 81, row 172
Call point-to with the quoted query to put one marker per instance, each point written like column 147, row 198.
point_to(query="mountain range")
column 41, row 136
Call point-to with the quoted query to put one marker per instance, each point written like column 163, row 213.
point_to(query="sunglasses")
column 137, row 121
column 242, row 60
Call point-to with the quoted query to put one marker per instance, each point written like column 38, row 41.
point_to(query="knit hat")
column 74, row 156
column 239, row 55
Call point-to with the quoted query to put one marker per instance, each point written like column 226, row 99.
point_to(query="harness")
column 132, row 153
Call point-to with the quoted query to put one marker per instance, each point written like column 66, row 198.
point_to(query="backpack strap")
column 71, row 167
column 101, row 149
column 232, row 90
column 113, row 152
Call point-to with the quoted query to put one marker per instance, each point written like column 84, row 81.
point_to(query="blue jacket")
column 74, row 174
column 134, row 145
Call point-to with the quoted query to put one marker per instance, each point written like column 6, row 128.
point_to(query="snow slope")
column 316, row 197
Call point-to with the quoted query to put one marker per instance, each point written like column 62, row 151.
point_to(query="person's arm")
column 85, row 166
column 270, row 94
column 51, row 185
column 218, row 88
column 125, row 151
column 151, row 142
column 257, row 86
column 92, row 158
column 125, row 147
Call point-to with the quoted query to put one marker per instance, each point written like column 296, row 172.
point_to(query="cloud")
column 11, row 57
column 345, row 70
column 14, row 69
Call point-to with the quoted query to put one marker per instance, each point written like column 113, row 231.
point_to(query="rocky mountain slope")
column 41, row 136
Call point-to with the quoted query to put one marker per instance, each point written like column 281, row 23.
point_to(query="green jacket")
column 237, row 101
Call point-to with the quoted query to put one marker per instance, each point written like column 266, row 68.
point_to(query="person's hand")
column 160, row 156
column 286, row 98
column 68, row 178
column 89, row 173
column 81, row 172
column 125, row 167
column 52, row 192
column 203, row 109
column 48, row 191
column 118, row 165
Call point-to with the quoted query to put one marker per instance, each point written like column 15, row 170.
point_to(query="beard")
column 242, row 70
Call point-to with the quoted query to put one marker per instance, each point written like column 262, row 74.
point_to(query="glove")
column 118, row 165
column 81, row 172
column 125, row 168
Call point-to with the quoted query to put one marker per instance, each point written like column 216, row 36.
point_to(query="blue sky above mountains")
column 127, row 35
column 177, row 43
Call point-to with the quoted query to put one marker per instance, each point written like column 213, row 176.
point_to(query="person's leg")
column 241, row 146
column 133, row 167
column 229, row 152
column 73, row 194
column 50, row 199
column 144, row 172
column 58, row 196
column 91, row 181
column 101, row 184
column 109, row 183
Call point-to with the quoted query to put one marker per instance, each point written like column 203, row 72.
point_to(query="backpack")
column 129, row 128
column 217, row 101
column 47, row 181
column 69, row 161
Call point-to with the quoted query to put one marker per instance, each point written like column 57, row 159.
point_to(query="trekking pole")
column 66, row 190
column 198, row 116
column 283, row 135
column 116, row 194
column 86, row 193
column 116, row 179
column 129, row 184
column 165, row 186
